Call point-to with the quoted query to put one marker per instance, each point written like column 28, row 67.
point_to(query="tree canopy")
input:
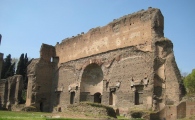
column 8, row 68
column 189, row 82
column 22, row 68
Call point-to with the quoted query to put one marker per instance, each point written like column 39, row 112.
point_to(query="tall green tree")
column 21, row 66
column 6, row 70
column 26, row 63
column 11, row 71
column 189, row 82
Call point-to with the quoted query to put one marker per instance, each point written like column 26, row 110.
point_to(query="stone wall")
column 11, row 91
column 190, row 108
column 40, row 75
column 184, row 109
column 3, row 93
column 126, row 64
column 137, row 29
column 116, row 66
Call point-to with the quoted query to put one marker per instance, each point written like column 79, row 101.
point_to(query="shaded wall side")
column 173, row 79
column 166, row 76
column 18, row 90
column 181, row 110
column 43, row 85
column 3, row 93
column 40, row 75
column 11, row 90
column 190, row 108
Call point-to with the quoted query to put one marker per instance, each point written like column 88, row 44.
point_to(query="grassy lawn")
column 10, row 115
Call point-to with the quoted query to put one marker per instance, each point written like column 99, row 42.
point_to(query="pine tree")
column 6, row 66
column 21, row 67
column 10, row 71
column 26, row 59
column 26, row 63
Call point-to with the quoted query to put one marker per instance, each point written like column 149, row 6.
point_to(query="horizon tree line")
column 11, row 67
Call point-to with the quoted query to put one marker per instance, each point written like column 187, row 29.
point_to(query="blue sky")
column 26, row 24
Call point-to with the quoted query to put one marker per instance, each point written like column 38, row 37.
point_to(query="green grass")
column 10, row 115
column 122, row 118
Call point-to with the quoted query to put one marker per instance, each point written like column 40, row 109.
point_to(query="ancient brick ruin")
column 126, row 64
column 11, row 91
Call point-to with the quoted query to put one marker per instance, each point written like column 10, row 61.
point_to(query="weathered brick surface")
column 126, row 64
column 11, row 91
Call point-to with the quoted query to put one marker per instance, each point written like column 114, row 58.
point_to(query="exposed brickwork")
column 126, row 64
column 11, row 91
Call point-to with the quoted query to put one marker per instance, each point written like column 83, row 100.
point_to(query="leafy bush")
column 189, row 82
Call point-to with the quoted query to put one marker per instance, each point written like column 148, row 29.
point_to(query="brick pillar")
column 18, row 91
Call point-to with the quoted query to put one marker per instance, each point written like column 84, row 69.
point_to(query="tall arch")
column 91, row 82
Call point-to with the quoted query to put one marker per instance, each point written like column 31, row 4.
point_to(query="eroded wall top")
column 137, row 29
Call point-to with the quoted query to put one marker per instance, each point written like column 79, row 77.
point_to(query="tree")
column 22, row 68
column 189, row 82
column 11, row 71
column 182, row 86
column 6, row 70
column 26, row 63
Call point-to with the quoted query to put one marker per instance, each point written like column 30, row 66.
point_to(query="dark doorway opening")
column 111, row 98
column 139, row 95
column 136, row 98
column 72, row 95
column 97, row 97
column 41, row 106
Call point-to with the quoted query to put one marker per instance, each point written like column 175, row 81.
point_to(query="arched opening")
column 97, row 98
column 91, row 83
column 41, row 106
column 72, row 95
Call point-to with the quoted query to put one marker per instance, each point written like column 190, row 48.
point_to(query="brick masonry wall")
column 120, row 65
column 130, row 30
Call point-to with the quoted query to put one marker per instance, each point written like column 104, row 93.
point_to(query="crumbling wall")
column 134, row 57
column 11, row 91
column 15, row 85
column 130, row 30
column 3, row 93
column 184, row 109
column 40, row 74
column 117, row 66
column 47, row 52
column 167, row 75
column 190, row 108
column 126, row 64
